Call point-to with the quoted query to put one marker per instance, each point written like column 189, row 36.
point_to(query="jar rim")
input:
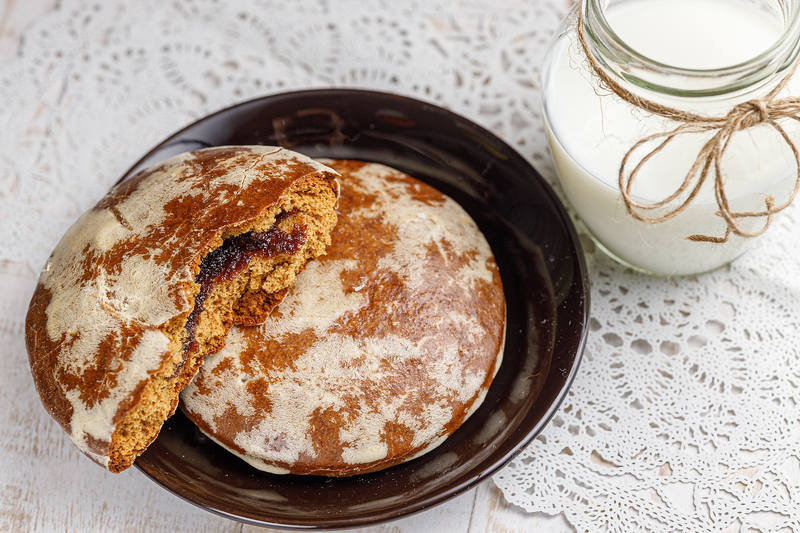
column 644, row 71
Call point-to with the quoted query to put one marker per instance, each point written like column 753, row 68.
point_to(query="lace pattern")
column 684, row 413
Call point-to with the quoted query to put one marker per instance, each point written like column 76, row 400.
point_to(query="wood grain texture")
column 492, row 513
column 46, row 484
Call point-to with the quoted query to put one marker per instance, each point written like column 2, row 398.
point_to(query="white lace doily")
column 684, row 415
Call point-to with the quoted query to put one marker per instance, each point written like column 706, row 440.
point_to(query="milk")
column 589, row 133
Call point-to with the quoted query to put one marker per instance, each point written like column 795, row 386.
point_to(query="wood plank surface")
column 47, row 485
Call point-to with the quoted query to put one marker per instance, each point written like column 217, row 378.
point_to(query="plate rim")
column 455, row 490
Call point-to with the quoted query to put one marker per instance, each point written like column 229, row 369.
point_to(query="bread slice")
column 149, row 281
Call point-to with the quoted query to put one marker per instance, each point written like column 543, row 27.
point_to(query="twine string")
column 767, row 110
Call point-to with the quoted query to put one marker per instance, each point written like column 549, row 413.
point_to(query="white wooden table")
column 47, row 485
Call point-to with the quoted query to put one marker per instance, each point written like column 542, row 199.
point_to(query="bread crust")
column 381, row 349
column 106, row 314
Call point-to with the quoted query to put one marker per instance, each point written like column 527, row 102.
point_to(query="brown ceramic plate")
column 546, row 290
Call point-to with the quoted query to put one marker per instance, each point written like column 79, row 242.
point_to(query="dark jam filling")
column 233, row 256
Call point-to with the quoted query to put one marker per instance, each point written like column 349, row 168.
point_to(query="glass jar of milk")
column 702, row 56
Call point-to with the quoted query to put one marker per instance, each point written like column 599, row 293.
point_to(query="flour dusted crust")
column 108, row 312
column 381, row 349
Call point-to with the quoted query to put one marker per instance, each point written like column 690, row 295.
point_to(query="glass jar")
column 701, row 56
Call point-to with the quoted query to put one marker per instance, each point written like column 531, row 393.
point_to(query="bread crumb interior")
column 246, row 298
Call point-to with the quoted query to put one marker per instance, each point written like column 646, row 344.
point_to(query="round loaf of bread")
column 381, row 349
column 149, row 281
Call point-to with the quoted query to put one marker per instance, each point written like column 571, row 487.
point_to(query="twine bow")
column 767, row 110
